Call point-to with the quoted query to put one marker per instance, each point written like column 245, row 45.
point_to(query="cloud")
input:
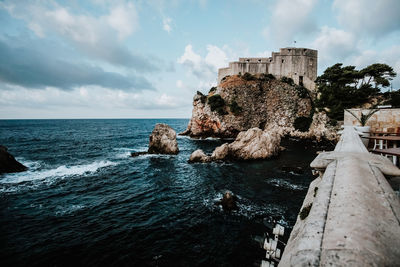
column 334, row 44
column 30, row 66
column 98, row 37
column 123, row 19
column 368, row 17
column 390, row 56
column 92, row 100
column 290, row 19
column 204, row 68
column 167, row 25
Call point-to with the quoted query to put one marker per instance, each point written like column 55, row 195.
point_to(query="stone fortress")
column 300, row 64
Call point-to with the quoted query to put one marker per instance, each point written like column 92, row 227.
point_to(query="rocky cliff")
column 242, row 102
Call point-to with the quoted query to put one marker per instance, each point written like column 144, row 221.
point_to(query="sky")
column 147, row 58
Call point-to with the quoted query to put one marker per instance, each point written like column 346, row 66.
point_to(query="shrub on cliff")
column 302, row 124
column 248, row 77
column 203, row 98
column 213, row 89
column 302, row 91
column 235, row 108
column 217, row 104
column 267, row 77
column 287, row 80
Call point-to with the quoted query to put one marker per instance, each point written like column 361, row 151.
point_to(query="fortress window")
column 247, row 60
column 283, row 60
column 289, row 50
column 259, row 60
column 305, row 50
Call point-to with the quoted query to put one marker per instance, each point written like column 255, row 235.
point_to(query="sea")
column 85, row 202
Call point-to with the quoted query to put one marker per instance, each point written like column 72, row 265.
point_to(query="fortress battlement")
column 300, row 64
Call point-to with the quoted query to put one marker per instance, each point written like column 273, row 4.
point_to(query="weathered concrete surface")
column 355, row 215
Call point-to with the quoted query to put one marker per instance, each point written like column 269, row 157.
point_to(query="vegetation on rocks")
column 203, row 98
column 302, row 123
column 302, row 91
column 287, row 80
column 217, row 104
column 248, row 77
column 213, row 89
column 235, row 108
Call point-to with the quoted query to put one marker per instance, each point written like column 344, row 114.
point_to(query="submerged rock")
column 136, row 154
column 228, row 201
column 8, row 163
column 296, row 170
column 163, row 140
column 199, row 156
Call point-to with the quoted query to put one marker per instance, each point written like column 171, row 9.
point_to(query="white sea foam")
column 247, row 208
column 68, row 209
column 59, row 172
column 285, row 184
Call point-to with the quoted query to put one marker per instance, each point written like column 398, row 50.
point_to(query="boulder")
column 137, row 154
column 228, row 201
column 8, row 163
column 199, row 156
column 254, row 144
column 221, row 152
column 163, row 140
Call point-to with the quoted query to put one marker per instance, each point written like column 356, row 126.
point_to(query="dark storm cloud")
column 32, row 67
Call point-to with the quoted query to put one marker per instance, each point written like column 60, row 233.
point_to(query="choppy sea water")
column 85, row 202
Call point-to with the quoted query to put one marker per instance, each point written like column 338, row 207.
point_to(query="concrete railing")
column 354, row 219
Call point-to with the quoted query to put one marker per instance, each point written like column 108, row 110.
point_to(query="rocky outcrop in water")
column 228, row 201
column 255, row 144
column 199, row 156
column 163, row 140
column 248, row 145
column 243, row 102
column 8, row 163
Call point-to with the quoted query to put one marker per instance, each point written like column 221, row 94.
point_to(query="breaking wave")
column 61, row 171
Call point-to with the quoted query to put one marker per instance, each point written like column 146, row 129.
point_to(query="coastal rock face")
column 221, row 152
column 238, row 104
column 163, row 140
column 255, row 144
column 320, row 128
column 248, row 145
column 199, row 156
column 8, row 163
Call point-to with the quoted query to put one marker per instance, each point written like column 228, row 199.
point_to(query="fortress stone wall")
column 300, row 64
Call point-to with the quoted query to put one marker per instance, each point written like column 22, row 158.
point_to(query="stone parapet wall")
column 383, row 120
column 355, row 214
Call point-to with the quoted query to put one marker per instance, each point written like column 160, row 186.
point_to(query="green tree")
column 341, row 87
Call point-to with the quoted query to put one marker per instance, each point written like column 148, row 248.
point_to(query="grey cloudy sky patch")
column 97, row 36
column 33, row 68
column 369, row 17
